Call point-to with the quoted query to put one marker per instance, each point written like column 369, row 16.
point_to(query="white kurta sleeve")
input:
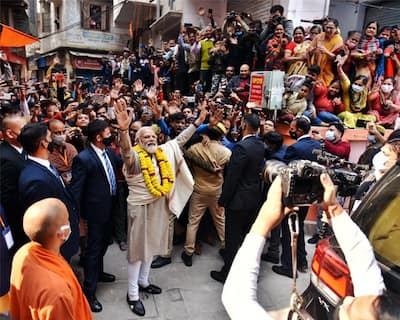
column 239, row 295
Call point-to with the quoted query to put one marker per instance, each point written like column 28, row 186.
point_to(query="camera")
column 301, row 183
column 275, row 20
column 231, row 16
column 346, row 175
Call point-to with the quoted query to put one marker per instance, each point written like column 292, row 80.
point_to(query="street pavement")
column 188, row 292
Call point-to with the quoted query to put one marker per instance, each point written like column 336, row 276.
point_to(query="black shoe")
column 187, row 260
column 314, row 239
column 270, row 258
column 302, row 269
column 136, row 306
column 106, row 277
column 219, row 276
column 160, row 262
column 221, row 252
column 94, row 304
column 123, row 246
column 282, row 271
column 151, row 289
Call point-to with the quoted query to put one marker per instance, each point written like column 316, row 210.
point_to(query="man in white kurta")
column 148, row 214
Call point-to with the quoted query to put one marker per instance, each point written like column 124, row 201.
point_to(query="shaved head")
column 44, row 218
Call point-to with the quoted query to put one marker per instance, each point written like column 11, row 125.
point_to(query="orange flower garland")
column 149, row 174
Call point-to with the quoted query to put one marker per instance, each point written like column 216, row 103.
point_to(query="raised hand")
column 202, row 115
column 155, row 108
column 121, row 114
column 152, row 93
column 216, row 117
column 138, row 86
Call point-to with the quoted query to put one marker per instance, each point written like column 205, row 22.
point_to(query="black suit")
column 11, row 165
column 91, row 188
column 37, row 182
column 241, row 194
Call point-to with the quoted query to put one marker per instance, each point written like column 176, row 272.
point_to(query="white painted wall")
column 76, row 37
column 191, row 7
column 305, row 9
column 350, row 17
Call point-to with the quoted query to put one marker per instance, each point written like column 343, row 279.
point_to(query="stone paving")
column 189, row 292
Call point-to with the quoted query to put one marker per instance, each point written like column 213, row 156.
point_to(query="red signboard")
column 86, row 63
column 257, row 89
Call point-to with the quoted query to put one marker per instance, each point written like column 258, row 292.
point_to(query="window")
column 45, row 12
column 96, row 15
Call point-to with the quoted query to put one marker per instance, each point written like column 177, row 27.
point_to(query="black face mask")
column 293, row 135
column 107, row 141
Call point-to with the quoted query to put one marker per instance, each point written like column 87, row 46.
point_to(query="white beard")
column 150, row 147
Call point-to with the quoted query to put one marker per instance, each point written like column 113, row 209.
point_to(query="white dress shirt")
column 99, row 153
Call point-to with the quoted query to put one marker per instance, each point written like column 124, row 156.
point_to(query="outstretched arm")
column 128, row 154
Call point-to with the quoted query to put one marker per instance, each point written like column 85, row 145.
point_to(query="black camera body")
column 231, row 16
column 346, row 175
column 346, row 180
column 301, row 183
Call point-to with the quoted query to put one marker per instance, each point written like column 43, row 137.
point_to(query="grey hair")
column 139, row 133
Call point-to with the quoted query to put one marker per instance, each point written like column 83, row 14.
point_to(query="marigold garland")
column 149, row 174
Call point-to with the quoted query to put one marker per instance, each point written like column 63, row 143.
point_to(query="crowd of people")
column 167, row 134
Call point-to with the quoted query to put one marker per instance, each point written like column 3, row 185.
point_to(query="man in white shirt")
column 370, row 298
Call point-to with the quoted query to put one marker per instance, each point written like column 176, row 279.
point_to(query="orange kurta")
column 43, row 286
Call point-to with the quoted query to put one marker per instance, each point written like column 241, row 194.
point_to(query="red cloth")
column 340, row 149
column 323, row 103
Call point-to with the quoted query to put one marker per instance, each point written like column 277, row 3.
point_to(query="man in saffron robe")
column 43, row 285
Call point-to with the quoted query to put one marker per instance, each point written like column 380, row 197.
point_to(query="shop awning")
column 89, row 55
column 10, row 37
column 170, row 21
column 140, row 14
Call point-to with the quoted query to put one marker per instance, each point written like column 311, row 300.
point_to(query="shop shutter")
column 385, row 17
column 259, row 9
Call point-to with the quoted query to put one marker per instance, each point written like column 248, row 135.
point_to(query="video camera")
column 346, row 175
column 300, row 181
column 231, row 16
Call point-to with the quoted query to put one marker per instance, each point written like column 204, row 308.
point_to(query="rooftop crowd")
column 140, row 153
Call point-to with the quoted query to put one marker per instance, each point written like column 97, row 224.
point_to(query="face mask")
column 330, row 135
column 107, row 141
column 59, row 140
column 63, row 228
column 371, row 139
column 386, row 88
column 293, row 135
column 357, row 88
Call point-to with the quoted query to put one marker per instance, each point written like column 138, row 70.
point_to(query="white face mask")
column 63, row 228
column 371, row 139
column 386, row 88
column 330, row 135
column 59, row 140
column 357, row 88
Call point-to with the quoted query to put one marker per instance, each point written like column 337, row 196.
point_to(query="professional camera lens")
column 272, row 169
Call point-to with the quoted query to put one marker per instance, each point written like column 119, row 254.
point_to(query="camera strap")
column 297, row 310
